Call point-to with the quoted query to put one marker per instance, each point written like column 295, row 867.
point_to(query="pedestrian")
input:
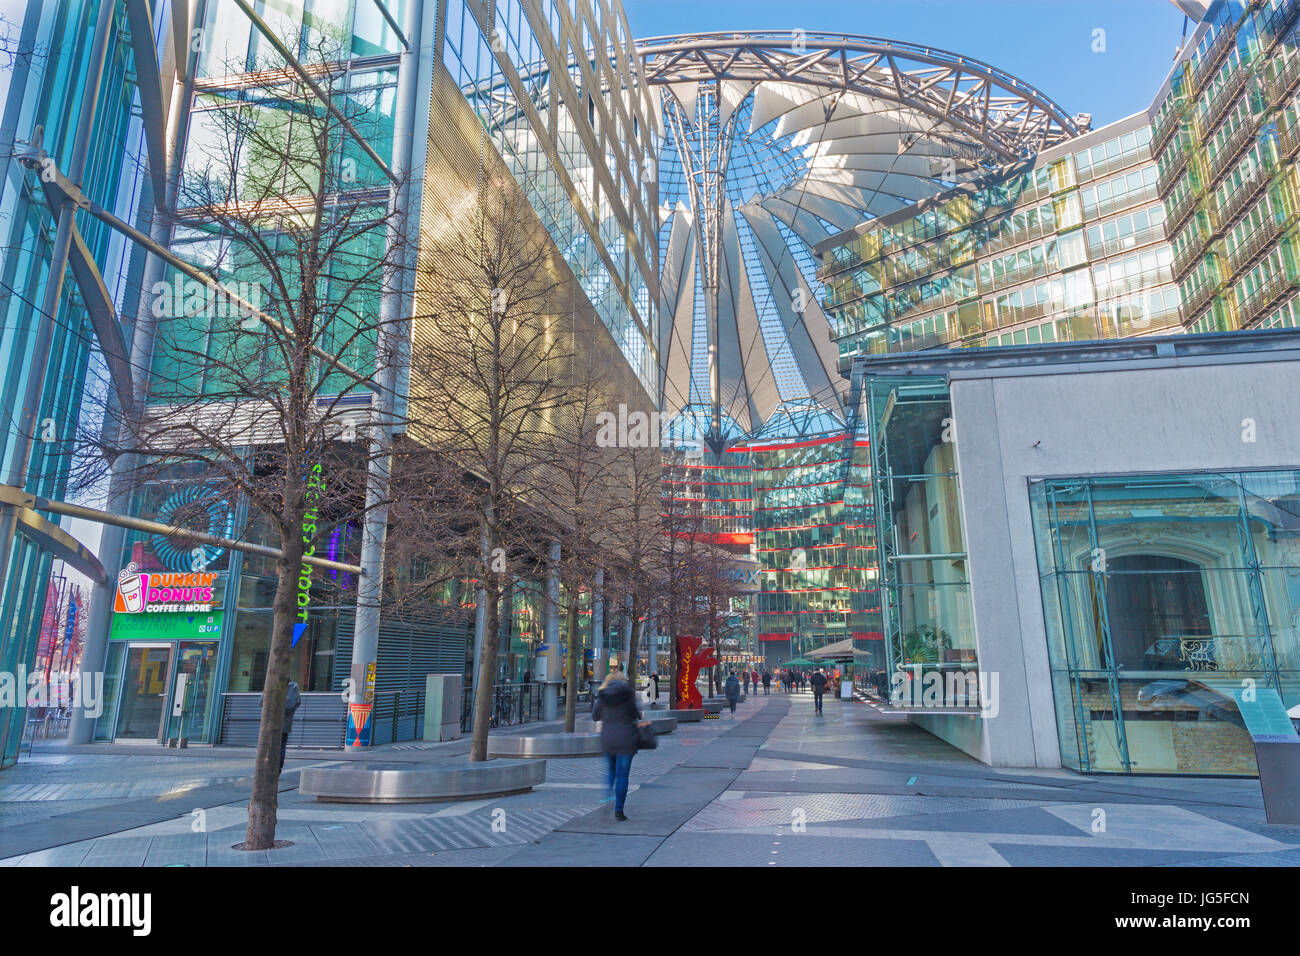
column 292, row 698
column 746, row 673
column 818, row 681
column 654, row 679
column 767, row 681
column 733, row 693
column 619, row 716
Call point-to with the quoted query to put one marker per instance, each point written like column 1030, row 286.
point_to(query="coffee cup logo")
column 130, row 590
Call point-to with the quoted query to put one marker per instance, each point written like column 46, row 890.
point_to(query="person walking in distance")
column 616, row 709
column 767, row 681
column 818, row 681
column 291, row 701
column 733, row 692
column 745, row 673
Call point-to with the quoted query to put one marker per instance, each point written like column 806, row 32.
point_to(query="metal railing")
column 512, row 703
column 398, row 715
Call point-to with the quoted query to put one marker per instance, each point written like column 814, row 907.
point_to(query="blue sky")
column 1046, row 43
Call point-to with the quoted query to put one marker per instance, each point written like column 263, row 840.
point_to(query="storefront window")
column 312, row 664
column 1163, row 594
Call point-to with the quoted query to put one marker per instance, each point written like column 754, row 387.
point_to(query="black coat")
column 733, row 689
column 292, row 698
column 616, row 709
column 818, row 682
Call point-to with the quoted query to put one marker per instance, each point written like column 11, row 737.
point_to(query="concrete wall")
column 1013, row 425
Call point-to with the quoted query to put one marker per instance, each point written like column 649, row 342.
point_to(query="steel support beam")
column 16, row 497
column 148, row 80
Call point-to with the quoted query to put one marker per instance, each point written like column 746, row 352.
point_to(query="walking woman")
column 616, row 709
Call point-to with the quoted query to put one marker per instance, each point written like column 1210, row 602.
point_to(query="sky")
column 1046, row 43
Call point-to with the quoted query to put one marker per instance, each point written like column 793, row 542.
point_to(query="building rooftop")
column 1063, row 358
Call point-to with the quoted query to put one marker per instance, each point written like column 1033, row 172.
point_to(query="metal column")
column 365, row 646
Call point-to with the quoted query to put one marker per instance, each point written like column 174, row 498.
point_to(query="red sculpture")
column 691, row 659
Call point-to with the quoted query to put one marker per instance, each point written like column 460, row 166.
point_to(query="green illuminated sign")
column 167, row 627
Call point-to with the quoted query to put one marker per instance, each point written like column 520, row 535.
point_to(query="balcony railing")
column 1201, row 72
column 1251, row 184
column 1176, row 162
column 1251, row 246
column 1187, row 257
column 1282, row 76
column 1198, row 298
column 1288, row 142
column 1177, row 211
column 1278, row 20
column 1163, row 129
column 1226, row 95
column 1221, row 160
column 1269, row 291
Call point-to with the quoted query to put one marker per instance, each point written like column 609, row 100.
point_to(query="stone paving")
column 776, row 786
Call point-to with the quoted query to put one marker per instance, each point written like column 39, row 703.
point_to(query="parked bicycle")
column 505, row 707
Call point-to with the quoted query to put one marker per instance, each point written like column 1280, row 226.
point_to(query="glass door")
column 197, row 661
column 144, row 692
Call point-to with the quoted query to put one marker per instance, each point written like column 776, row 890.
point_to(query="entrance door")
column 144, row 692
column 197, row 661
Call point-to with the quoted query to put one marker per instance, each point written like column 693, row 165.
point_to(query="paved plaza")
column 776, row 786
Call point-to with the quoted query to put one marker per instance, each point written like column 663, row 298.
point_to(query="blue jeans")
column 617, row 768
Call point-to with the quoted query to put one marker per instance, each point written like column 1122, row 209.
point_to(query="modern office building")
column 1226, row 144
column 1067, row 246
column 1115, row 557
column 544, row 100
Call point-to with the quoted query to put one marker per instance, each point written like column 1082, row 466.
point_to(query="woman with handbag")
column 620, row 720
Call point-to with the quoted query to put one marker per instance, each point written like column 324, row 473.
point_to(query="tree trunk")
column 484, row 680
column 574, row 668
column 260, row 834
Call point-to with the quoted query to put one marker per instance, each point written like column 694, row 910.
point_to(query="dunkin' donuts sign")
column 139, row 592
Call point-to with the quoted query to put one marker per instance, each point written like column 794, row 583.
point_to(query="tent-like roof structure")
column 773, row 142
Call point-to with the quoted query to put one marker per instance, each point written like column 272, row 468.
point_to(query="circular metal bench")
column 662, row 725
column 544, row 745
column 407, row 783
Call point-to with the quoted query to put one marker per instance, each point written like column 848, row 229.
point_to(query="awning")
column 839, row 650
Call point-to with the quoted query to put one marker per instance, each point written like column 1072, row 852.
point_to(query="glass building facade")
column 1164, row 594
column 46, row 89
column 1226, row 144
column 802, row 508
column 1070, row 245
column 555, row 86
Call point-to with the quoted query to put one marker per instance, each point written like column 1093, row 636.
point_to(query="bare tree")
column 638, row 539
column 490, row 377
column 579, row 496
column 270, row 350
